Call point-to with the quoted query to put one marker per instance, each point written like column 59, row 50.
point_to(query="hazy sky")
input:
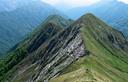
column 73, row 3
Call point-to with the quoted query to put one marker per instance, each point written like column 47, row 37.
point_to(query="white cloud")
column 52, row 2
column 70, row 3
column 125, row 1
column 77, row 3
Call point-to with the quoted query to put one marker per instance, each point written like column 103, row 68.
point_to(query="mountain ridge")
column 109, row 13
column 88, row 50
column 101, row 63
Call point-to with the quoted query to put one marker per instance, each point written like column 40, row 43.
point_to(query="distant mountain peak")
column 88, row 15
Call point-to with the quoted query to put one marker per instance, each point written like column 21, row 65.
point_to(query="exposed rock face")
column 60, row 60
column 66, row 48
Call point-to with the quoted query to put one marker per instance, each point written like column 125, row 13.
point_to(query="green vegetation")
column 105, row 63
column 11, row 60
column 44, row 32
column 34, row 58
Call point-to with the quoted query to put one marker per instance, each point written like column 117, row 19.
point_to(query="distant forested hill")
column 19, row 17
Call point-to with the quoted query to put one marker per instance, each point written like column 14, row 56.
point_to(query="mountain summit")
column 113, row 12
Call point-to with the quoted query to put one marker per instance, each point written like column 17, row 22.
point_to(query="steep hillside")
column 47, row 58
column 87, row 51
column 107, row 60
column 16, row 22
column 112, row 12
column 42, row 34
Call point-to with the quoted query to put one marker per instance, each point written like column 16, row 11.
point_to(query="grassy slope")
column 104, row 64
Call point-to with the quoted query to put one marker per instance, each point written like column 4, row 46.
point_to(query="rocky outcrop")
column 61, row 51
column 66, row 55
